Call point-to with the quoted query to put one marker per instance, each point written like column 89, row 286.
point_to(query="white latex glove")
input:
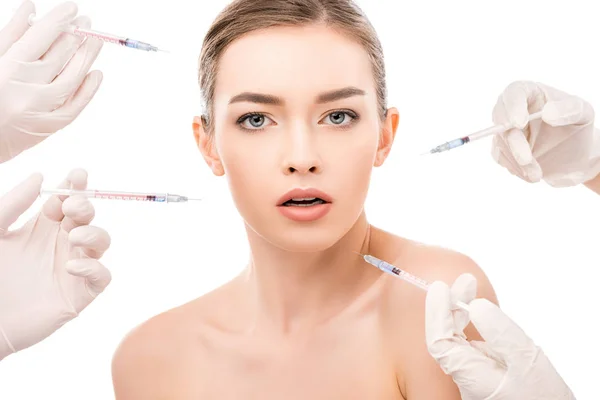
column 49, row 268
column 506, row 366
column 563, row 148
column 44, row 80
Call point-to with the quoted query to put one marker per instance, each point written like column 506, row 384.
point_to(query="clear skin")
column 307, row 318
column 594, row 184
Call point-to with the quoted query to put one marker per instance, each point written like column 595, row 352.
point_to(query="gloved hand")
column 49, row 268
column 37, row 96
column 563, row 148
column 506, row 366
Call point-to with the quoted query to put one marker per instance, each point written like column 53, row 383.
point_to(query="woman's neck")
column 293, row 291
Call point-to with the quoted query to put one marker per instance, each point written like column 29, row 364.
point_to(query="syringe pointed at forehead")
column 106, row 37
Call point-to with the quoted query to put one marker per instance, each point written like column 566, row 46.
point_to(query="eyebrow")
column 326, row 97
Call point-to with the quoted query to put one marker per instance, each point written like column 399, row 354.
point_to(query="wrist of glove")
column 506, row 366
column 562, row 148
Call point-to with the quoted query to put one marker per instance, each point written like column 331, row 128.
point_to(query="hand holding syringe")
column 116, row 195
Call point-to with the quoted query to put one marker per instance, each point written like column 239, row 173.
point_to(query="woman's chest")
column 352, row 364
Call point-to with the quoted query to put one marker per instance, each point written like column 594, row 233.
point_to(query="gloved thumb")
column 463, row 289
column 97, row 278
column 503, row 335
column 18, row 200
column 571, row 111
column 441, row 333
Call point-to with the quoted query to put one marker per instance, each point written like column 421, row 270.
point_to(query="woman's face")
column 295, row 109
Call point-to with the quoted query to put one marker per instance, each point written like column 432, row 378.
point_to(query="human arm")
column 507, row 365
column 49, row 268
column 562, row 149
column 44, row 80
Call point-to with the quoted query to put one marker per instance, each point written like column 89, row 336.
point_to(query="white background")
column 447, row 62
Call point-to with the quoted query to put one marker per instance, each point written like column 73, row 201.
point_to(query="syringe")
column 107, row 37
column 494, row 130
column 393, row 270
column 112, row 195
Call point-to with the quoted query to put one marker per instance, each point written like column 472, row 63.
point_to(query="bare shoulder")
column 430, row 263
column 434, row 263
column 403, row 311
column 154, row 356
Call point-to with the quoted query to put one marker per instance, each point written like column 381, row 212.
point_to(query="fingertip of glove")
column 78, row 176
column 79, row 207
column 97, row 77
column 69, row 8
column 83, row 21
column 480, row 306
column 26, row 6
column 438, row 285
column 437, row 290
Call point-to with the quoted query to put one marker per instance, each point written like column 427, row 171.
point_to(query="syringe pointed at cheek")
column 395, row 271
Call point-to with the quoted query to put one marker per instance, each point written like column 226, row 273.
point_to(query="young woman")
column 296, row 119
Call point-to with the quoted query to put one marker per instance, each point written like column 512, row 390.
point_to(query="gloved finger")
column 17, row 26
column 73, row 75
column 52, row 209
column 451, row 350
column 92, row 240
column 520, row 98
column 38, row 39
column 519, row 146
column 18, row 200
column 503, row 336
column 78, row 211
column 513, row 139
column 71, row 109
column 47, row 123
column 59, row 54
column 463, row 289
column 96, row 275
column 571, row 111
column 502, row 154
column 520, row 155
column 440, row 328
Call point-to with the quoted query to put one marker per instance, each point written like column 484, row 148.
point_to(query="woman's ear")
column 207, row 147
column 388, row 133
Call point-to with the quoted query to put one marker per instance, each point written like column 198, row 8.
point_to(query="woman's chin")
column 305, row 242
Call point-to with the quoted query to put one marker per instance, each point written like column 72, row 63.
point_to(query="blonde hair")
column 243, row 16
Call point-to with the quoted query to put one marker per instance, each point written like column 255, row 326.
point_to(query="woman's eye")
column 254, row 121
column 340, row 117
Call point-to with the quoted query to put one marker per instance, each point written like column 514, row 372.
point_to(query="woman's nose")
column 302, row 155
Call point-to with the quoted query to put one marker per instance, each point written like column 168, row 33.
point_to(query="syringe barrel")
column 156, row 197
column 136, row 44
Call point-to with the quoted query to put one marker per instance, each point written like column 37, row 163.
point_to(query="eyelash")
column 354, row 118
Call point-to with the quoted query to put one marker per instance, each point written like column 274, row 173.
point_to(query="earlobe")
column 206, row 146
column 388, row 133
